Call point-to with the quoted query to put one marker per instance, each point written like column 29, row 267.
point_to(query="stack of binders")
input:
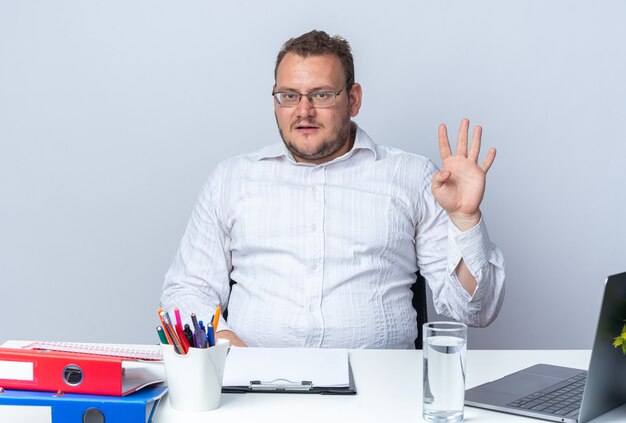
column 57, row 387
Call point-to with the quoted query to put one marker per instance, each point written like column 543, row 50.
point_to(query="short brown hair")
column 319, row 43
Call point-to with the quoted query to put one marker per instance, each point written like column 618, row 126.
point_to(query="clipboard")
column 289, row 371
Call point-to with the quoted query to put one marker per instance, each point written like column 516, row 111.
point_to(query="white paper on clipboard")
column 327, row 367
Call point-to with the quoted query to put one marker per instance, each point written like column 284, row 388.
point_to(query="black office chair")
column 419, row 304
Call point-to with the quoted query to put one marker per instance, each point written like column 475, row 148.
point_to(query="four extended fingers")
column 462, row 149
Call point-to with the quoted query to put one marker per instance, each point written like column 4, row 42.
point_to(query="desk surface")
column 389, row 388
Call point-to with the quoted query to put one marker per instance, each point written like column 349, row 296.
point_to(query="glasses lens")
column 288, row 99
column 323, row 98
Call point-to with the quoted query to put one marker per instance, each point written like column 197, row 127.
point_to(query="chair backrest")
column 419, row 304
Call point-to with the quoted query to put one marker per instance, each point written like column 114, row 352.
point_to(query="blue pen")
column 210, row 335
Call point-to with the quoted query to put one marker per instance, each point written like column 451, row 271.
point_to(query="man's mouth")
column 306, row 128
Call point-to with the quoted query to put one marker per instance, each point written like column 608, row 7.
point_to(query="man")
column 323, row 233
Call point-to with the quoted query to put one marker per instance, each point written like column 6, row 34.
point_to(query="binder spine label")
column 17, row 370
column 21, row 413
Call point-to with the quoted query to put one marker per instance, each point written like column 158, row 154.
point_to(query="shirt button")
column 311, row 308
column 314, row 266
column 314, row 227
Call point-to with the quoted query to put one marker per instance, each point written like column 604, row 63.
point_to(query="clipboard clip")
column 281, row 385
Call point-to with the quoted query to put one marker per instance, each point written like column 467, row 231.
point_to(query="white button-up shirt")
column 324, row 255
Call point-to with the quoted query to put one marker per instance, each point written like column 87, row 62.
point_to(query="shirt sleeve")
column 440, row 246
column 198, row 278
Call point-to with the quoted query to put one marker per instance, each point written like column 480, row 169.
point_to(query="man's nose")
column 305, row 107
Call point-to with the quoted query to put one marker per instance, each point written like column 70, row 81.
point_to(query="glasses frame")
column 276, row 94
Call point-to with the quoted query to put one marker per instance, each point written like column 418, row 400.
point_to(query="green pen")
column 162, row 335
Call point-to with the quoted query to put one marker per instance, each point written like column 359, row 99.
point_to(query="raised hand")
column 460, row 185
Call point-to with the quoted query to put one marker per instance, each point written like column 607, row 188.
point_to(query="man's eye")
column 322, row 95
column 290, row 96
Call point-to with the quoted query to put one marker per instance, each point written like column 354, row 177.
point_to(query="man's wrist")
column 232, row 337
column 464, row 222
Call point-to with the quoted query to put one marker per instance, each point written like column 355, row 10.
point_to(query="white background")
column 113, row 113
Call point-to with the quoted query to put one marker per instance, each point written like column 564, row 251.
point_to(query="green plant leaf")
column 620, row 341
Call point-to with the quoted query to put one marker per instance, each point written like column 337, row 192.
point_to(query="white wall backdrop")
column 113, row 113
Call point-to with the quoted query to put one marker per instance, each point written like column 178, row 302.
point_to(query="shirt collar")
column 362, row 141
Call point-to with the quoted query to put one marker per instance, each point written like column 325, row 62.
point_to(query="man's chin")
column 305, row 154
column 311, row 148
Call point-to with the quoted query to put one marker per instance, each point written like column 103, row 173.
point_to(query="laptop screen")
column 606, row 381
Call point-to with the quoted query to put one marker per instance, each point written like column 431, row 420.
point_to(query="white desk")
column 389, row 385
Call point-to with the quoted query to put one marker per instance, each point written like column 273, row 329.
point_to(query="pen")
column 210, row 333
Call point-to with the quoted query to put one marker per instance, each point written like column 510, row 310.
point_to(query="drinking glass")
column 445, row 344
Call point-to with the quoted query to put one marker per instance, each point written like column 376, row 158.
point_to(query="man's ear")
column 356, row 94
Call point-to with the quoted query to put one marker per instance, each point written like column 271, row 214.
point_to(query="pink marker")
column 179, row 322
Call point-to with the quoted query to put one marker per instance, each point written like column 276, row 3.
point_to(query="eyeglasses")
column 316, row 98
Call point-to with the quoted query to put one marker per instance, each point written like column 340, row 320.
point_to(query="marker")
column 162, row 336
column 179, row 322
column 197, row 332
column 189, row 335
column 194, row 321
column 202, row 336
column 199, row 338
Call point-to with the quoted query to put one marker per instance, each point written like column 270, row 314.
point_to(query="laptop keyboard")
column 562, row 399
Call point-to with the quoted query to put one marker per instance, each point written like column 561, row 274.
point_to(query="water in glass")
column 444, row 379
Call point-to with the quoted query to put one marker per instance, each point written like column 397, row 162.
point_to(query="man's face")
column 315, row 135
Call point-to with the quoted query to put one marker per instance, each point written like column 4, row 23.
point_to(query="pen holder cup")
column 194, row 380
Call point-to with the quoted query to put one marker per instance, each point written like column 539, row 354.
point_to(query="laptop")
column 564, row 394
